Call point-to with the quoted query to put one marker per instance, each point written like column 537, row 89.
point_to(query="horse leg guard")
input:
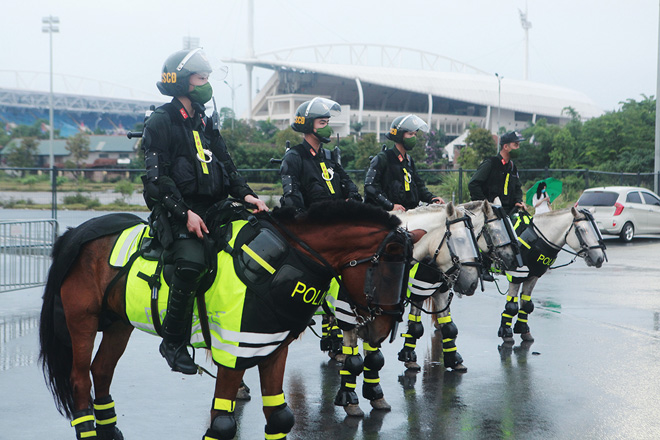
column 83, row 421
column 510, row 310
column 526, row 307
column 373, row 362
column 223, row 426
column 106, row 419
column 281, row 420
column 332, row 338
column 415, row 331
column 451, row 357
column 353, row 366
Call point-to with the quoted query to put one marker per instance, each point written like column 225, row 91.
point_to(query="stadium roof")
column 516, row 95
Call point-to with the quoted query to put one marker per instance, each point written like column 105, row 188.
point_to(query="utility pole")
column 233, row 90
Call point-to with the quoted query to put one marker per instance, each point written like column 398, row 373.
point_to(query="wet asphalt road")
column 592, row 372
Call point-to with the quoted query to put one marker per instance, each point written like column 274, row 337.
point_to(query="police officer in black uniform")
column 310, row 173
column 188, row 169
column 497, row 178
column 392, row 180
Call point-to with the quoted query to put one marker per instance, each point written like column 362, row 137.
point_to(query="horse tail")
column 56, row 354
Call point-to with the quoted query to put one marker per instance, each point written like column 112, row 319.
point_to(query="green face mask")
column 409, row 143
column 513, row 154
column 324, row 133
column 201, row 94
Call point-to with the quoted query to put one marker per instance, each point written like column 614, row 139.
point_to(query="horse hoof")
column 353, row 410
column 380, row 404
column 338, row 357
column 459, row 368
column 527, row 337
column 412, row 366
column 243, row 393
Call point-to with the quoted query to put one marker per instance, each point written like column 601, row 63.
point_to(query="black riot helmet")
column 314, row 109
column 177, row 69
column 403, row 124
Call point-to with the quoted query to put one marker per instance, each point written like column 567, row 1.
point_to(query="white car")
column 623, row 210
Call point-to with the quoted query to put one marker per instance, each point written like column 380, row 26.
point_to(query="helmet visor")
column 321, row 108
column 195, row 61
column 412, row 123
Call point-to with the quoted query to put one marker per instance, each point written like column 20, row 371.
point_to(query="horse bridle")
column 584, row 246
column 374, row 309
column 374, row 302
column 451, row 275
column 500, row 215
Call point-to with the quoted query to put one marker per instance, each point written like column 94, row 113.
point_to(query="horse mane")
column 471, row 206
column 338, row 211
column 426, row 208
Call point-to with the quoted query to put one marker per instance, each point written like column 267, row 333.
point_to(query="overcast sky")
column 606, row 49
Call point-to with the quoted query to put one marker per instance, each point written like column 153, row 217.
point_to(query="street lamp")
column 233, row 94
column 50, row 26
column 499, row 107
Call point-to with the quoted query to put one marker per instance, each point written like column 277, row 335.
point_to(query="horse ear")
column 488, row 210
column 416, row 234
column 574, row 211
column 450, row 209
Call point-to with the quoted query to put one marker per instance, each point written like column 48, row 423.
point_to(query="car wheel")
column 627, row 232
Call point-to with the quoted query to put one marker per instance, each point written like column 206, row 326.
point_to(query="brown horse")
column 84, row 295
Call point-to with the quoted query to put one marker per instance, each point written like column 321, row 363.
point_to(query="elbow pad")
column 151, row 164
column 287, row 185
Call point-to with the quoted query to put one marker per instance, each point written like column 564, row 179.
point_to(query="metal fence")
column 25, row 248
column 121, row 189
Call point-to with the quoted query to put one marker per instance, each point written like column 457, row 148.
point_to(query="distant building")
column 104, row 151
column 448, row 94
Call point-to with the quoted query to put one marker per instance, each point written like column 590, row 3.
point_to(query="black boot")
column 175, row 329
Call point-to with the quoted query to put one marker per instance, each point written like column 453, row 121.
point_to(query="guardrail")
column 25, row 248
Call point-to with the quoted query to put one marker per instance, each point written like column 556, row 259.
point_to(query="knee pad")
column 223, row 427
column 527, row 307
column 415, row 329
column 449, row 331
column 354, row 364
column 374, row 360
column 280, row 421
column 511, row 308
column 188, row 272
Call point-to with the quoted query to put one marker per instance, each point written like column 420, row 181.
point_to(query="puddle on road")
column 18, row 340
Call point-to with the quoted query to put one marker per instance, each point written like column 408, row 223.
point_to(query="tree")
column 479, row 144
column 23, row 155
column 564, row 152
column 78, row 148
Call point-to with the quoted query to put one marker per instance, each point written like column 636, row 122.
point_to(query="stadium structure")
column 75, row 110
column 373, row 88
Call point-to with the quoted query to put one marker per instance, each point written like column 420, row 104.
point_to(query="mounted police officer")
column 392, row 180
column 188, row 169
column 497, row 178
column 311, row 173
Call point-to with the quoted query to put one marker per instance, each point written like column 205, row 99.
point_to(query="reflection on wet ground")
column 591, row 373
column 13, row 351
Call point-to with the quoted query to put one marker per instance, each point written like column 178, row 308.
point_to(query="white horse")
column 448, row 246
column 496, row 240
column 541, row 240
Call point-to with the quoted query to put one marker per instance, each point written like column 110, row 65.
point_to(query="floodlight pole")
column 499, row 107
column 51, row 25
